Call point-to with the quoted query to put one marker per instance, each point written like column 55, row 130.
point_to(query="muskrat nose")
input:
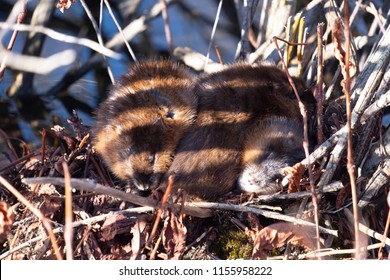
column 142, row 181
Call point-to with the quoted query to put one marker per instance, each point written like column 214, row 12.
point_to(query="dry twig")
column 350, row 160
column 305, row 144
column 11, row 43
column 68, row 229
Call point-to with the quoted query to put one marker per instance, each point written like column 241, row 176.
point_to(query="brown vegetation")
column 337, row 198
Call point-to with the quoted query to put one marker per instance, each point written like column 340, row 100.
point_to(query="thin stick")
column 161, row 210
column 198, row 239
column 350, row 163
column 243, row 45
column 99, row 37
column 287, row 47
column 287, row 42
column 332, row 252
column 219, row 55
column 99, row 170
column 63, row 38
column 36, row 212
column 19, row 160
column 294, row 32
column 262, row 212
column 85, row 235
column 7, row 139
column 68, row 229
column 91, row 186
column 167, row 28
column 320, row 81
column 305, row 143
column 155, row 248
column 262, row 26
column 130, row 50
column 300, row 48
column 43, row 142
column 101, row 15
column 333, row 187
column 22, row 14
column 382, row 102
column 301, row 33
column 213, row 33
column 366, row 230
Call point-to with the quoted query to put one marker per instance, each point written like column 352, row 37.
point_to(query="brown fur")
column 272, row 144
column 140, row 124
column 208, row 158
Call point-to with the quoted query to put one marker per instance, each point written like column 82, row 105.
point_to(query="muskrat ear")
column 164, row 104
column 166, row 112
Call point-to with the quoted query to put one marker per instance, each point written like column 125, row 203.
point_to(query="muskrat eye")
column 170, row 115
column 152, row 158
column 123, row 154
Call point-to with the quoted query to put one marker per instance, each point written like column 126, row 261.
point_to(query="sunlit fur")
column 272, row 144
column 208, row 160
column 141, row 122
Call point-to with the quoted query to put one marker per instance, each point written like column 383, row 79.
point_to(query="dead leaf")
column 6, row 220
column 343, row 196
column 295, row 173
column 114, row 225
column 91, row 248
column 50, row 206
column 122, row 252
column 58, row 165
column 64, row 136
column 278, row 234
column 32, row 163
column 339, row 52
column 255, row 226
column 46, row 189
column 64, row 4
column 81, row 131
column 174, row 236
column 140, row 236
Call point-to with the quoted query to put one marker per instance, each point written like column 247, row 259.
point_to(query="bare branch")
column 99, row 37
column 91, row 186
column 64, row 38
column 46, row 65
column 213, row 33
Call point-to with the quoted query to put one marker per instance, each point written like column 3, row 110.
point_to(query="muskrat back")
column 208, row 159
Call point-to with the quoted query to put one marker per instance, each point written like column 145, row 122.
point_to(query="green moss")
column 233, row 244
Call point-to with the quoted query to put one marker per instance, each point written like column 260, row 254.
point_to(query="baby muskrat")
column 272, row 144
column 208, row 159
column 140, row 124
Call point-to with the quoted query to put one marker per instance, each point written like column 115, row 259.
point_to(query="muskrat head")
column 140, row 123
column 274, row 143
column 264, row 175
column 139, row 154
